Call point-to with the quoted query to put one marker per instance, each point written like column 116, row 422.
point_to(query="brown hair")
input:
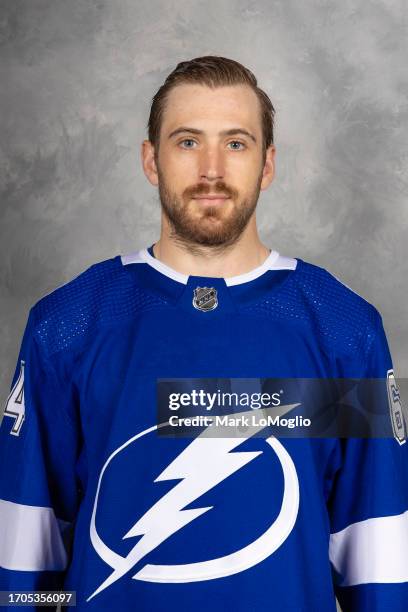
column 212, row 71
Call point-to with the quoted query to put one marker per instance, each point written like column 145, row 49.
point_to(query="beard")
column 219, row 225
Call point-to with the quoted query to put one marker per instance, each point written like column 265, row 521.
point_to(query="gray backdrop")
column 77, row 79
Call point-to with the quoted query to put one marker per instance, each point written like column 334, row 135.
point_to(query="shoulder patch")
column 398, row 419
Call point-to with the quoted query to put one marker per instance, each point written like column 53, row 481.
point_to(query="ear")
column 149, row 163
column 268, row 172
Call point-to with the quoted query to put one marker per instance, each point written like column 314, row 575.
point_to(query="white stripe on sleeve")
column 30, row 538
column 374, row 550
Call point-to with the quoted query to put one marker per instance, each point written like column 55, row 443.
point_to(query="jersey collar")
column 274, row 261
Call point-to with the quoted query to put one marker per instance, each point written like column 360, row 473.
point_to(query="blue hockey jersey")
column 94, row 501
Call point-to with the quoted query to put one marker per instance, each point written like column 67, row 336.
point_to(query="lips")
column 214, row 200
column 208, row 201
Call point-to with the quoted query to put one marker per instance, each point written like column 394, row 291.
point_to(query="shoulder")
column 339, row 319
column 102, row 294
column 346, row 318
column 314, row 280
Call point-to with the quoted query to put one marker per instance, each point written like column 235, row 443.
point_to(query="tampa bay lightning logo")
column 201, row 465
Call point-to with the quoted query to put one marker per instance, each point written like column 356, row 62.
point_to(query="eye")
column 190, row 140
column 237, row 142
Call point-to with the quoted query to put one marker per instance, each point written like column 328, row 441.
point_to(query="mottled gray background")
column 77, row 78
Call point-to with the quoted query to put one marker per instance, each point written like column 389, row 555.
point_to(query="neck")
column 247, row 253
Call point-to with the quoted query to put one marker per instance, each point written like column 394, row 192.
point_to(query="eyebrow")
column 230, row 132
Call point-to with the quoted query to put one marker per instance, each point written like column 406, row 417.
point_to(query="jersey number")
column 15, row 407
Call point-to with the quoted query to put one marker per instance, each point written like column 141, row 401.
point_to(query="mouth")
column 211, row 199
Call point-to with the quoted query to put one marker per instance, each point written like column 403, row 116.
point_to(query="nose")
column 211, row 164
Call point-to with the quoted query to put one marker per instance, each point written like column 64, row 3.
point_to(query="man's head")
column 210, row 133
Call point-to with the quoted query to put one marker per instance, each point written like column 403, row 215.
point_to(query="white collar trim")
column 274, row 261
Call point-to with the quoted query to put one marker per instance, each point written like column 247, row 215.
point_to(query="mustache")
column 219, row 189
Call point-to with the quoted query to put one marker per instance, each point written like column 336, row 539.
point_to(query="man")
column 94, row 498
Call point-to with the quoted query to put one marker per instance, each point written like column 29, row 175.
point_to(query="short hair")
column 212, row 71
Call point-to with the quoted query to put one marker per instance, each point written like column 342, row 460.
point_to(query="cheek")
column 242, row 171
column 178, row 177
column 179, row 168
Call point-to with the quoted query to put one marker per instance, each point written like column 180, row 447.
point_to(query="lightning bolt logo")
column 201, row 466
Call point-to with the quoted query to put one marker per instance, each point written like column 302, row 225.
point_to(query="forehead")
column 200, row 106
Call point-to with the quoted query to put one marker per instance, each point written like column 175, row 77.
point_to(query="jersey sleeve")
column 368, row 510
column 39, row 487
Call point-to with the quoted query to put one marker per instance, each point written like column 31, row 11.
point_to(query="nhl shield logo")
column 398, row 418
column 205, row 298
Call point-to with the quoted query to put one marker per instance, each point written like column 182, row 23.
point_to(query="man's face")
column 210, row 145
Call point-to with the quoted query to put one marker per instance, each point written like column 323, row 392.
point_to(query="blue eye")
column 237, row 142
column 187, row 140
